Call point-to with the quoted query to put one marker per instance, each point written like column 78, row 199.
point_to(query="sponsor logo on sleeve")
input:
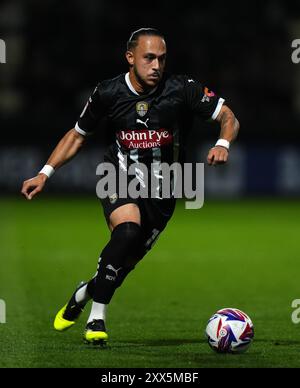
column 208, row 94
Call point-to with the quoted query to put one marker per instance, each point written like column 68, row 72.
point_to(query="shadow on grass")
column 162, row 342
column 277, row 342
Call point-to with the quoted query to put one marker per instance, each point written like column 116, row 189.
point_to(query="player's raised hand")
column 33, row 186
column 217, row 155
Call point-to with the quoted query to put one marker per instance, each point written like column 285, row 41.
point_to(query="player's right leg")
column 115, row 263
column 134, row 233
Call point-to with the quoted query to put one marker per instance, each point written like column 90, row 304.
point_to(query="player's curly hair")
column 134, row 37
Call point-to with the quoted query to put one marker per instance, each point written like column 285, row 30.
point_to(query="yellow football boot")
column 68, row 314
column 60, row 323
column 95, row 333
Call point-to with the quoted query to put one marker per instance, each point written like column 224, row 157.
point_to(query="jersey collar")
column 129, row 84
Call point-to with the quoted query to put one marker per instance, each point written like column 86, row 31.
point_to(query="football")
column 230, row 331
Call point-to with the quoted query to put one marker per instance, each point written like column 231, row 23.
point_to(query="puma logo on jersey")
column 205, row 98
column 138, row 121
column 109, row 266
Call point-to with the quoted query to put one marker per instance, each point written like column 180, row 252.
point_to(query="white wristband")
column 47, row 170
column 223, row 143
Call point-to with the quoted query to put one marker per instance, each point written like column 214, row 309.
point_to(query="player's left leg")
column 137, row 241
column 70, row 312
column 114, row 265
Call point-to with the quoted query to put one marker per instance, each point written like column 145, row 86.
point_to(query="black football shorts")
column 155, row 214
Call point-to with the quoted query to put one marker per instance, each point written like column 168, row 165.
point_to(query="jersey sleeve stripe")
column 218, row 108
column 79, row 130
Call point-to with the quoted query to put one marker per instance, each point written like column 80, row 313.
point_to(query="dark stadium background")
column 58, row 51
column 240, row 250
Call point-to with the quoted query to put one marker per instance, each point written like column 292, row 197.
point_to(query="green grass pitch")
column 242, row 254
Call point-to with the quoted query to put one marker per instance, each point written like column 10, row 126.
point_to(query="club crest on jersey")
column 113, row 198
column 142, row 108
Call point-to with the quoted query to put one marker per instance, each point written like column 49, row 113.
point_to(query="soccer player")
column 147, row 110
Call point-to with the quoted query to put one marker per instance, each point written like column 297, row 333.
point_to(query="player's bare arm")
column 65, row 150
column 229, row 131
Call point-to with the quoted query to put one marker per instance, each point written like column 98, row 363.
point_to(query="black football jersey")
column 147, row 128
